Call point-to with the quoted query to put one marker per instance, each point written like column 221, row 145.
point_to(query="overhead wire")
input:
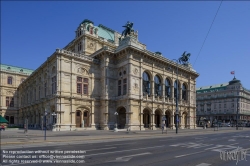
column 208, row 31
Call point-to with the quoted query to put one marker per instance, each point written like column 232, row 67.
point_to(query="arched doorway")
column 157, row 118
column 86, row 118
column 168, row 119
column 146, row 118
column 121, row 121
column 184, row 116
column 78, row 118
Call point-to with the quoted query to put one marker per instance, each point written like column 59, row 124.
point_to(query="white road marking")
column 100, row 149
column 203, row 164
column 120, row 144
column 189, row 154
column 123, row 151
column 231, row 140
column 127, row 158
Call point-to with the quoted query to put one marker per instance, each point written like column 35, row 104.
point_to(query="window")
column 175, row 89
column 45, row 89
column 53, row 85
column 9, row 102
column 39, row 92
column 9, row 81
column 79, row 46
column 146, row 84
column 82, row 85
column 124, row 86
column 184, row 92
column 119, row 87
column 157, row 86
column 167, row 88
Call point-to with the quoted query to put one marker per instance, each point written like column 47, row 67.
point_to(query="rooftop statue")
column 184, row 58
column 128, row 29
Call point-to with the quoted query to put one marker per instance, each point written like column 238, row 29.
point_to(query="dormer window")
column 8, row 67
column 21, row 70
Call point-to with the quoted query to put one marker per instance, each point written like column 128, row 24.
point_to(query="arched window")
column 175, row 89
column 184, row 92
column 157, row 86
column 9, row 81
column 167, row 88
column 146, row 84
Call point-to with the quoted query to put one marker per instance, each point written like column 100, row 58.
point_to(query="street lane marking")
column 123, row 151
column 127, row 158
column 231, row 140
column 189, row 154
column 100, row 149
column 120, row 144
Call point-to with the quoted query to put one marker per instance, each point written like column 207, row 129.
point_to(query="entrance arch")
column 121, row 121
column 184, row 117
column 146, row 118
column 157, row 118
column 168, row 119
column 78, row 118
column 86, row 118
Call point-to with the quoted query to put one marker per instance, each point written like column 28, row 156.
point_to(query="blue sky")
column 31, row 31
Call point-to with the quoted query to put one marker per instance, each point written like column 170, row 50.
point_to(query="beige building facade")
column 222, row 102
column 96, row 75
column 11, row 78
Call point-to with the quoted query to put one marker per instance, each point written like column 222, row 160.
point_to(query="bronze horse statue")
column 184, row 58
column 128, row 30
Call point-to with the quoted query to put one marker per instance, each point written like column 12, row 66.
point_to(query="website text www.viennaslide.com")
column 42, row 156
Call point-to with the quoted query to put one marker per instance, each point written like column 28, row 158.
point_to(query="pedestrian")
column 24, row 128
column 2, row 127
column 162, row 127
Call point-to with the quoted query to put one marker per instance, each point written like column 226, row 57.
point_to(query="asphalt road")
column 193, row 150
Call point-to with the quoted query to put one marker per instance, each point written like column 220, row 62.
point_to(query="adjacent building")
column 10, row 78
column 223, row 102
column 100, row 73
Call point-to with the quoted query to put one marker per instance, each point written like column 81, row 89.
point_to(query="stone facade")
column 96, row 75
column 222, row 102
column 11, row 78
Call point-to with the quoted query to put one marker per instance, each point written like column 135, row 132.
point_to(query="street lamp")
column 45, row 113
column 176, row 99
column 116, row 115
column 54, row 121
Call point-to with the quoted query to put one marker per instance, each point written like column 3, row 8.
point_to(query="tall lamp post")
column 45, row 113
column 54, row 121
column 176, row 99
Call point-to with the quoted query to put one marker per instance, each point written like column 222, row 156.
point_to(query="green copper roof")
column 106, row 33
column 15, row 69
column 212, row 88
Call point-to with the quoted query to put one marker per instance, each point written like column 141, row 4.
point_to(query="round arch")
column 146, row 117
column 121, row 117
column 185, row 119
column 157, row 117
column 168, row 118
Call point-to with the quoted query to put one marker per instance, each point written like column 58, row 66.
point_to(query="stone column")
column 172, row 122
column 153, row 89
column 152, row 124
column 163, row 92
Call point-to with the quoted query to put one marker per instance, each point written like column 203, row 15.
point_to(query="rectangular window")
column 124, row 86
column 53, row 85
column 119, row 88
column 82, row 85
column 7, row 101
column 12, row 102
column 79, row 88
column 45, row 89
column 35, row 93
column 9, row 81
column 85, row 89
column 39, row 92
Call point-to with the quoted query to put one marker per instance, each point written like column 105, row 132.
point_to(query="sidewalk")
column 37, row 136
